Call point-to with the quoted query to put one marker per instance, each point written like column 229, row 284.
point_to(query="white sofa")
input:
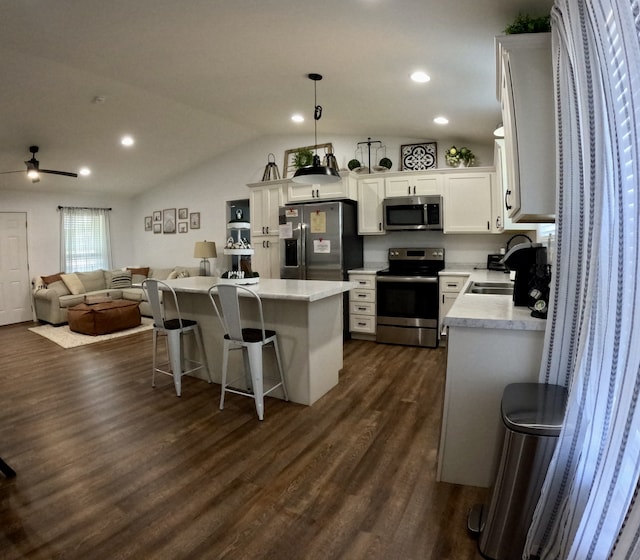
column 54, row 294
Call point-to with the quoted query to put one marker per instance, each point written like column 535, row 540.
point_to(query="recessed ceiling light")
column 84, row 171
column 127, row 141
column 420, row 77
column 297, row 118
column 441, row 120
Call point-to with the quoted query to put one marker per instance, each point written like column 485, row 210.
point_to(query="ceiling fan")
column 33, row 168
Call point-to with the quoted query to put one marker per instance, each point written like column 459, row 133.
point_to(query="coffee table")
column 104, row 318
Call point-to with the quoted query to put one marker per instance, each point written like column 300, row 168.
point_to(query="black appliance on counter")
column 407, row 297
column 529, row 261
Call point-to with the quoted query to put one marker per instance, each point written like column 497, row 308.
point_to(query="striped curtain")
column 589, row 507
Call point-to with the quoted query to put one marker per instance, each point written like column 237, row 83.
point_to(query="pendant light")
column 316, row 174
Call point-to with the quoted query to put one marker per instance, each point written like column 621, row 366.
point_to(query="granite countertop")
column 269, row 288
column 487, row 311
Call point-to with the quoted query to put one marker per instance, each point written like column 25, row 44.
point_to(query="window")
column 85, row 240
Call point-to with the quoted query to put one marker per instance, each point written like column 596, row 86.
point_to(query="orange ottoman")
column 104, row 318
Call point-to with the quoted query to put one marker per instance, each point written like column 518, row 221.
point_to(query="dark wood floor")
column 110, row 468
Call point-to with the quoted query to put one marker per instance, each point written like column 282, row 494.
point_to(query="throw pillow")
column 72, row 282
column 144, row 271
column 59, row 288
column 121, row 279
column 183, row 274
column 51, row 278
column 92, row 280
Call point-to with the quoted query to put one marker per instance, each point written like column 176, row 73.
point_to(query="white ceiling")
column 191, row 79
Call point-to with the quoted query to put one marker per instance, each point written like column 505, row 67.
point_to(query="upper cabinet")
column 265, row 200
column 344, row 189
column 412, row 185
column 370, row 197
column 526, row 94
column 501, row 219
column 467, row 202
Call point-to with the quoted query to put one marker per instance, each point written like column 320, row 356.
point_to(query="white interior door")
column 15, row 291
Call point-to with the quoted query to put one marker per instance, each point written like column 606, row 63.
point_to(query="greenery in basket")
column 455, row 156
column 303, row 158
column 524, row 23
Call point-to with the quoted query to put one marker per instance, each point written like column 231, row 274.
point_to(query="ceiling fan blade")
column 7, row 172
column 53, row 172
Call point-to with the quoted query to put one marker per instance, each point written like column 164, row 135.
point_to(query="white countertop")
column 268, row 288
column 488, row 311
column 369, row 268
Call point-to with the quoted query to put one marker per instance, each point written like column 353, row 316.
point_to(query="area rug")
column 66, row 338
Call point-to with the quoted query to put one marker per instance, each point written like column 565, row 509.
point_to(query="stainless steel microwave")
column 412, row 213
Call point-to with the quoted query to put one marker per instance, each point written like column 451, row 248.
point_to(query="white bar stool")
column 251, row 341
column 173, row 329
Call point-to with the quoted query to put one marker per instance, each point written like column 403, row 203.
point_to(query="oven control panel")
column 416, row 254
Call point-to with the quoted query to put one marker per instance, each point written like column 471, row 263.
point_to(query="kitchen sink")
column 491, row 288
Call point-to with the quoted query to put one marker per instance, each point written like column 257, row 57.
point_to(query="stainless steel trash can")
column 532, row 414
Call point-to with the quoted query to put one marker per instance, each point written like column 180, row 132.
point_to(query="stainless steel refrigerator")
column 319, row 240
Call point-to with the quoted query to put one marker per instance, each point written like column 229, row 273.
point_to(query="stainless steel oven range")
column 407, row 297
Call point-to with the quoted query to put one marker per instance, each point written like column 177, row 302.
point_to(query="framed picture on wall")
column 157, row 216
column 183, row 227
column 290, row 157
column 416, row 157
column 157, row 227
column 169, row 220
column 194, row 220
column 147, row 223
column 183, row 214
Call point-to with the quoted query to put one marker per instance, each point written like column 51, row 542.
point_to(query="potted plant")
column 524, row 23
column 462, row 157
column 303, row 158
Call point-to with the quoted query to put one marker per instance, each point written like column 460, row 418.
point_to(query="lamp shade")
column 316, row 174
column 205, row 250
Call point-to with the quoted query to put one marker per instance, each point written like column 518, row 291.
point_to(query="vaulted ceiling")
column 192, row 79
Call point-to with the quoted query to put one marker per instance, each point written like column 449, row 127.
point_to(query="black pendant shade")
column 316, row 174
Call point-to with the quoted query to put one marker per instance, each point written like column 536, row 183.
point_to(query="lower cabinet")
column 266, row 255
column 362, row 307
column 450, row 287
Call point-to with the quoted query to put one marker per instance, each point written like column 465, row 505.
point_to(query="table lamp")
column 205, row 250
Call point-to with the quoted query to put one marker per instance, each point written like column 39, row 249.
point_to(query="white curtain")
column 85, row 239
column 589, row 507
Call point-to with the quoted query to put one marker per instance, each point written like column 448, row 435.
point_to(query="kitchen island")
column 307, row 315
column 491, row 343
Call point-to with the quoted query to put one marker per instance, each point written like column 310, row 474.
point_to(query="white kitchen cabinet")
column 449, row 287
column 481, row 362
column 266, row 255
column 526, row 93
column 370, row 197
column 264, row 201
column 413, row 185
column 362, row 306
column 501, row 220
column 346, row 188
column 467, row 202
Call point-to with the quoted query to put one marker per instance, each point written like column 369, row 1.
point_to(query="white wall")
column 43, row 225
column 208, row 188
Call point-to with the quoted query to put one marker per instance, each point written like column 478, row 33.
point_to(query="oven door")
column 407, row 310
